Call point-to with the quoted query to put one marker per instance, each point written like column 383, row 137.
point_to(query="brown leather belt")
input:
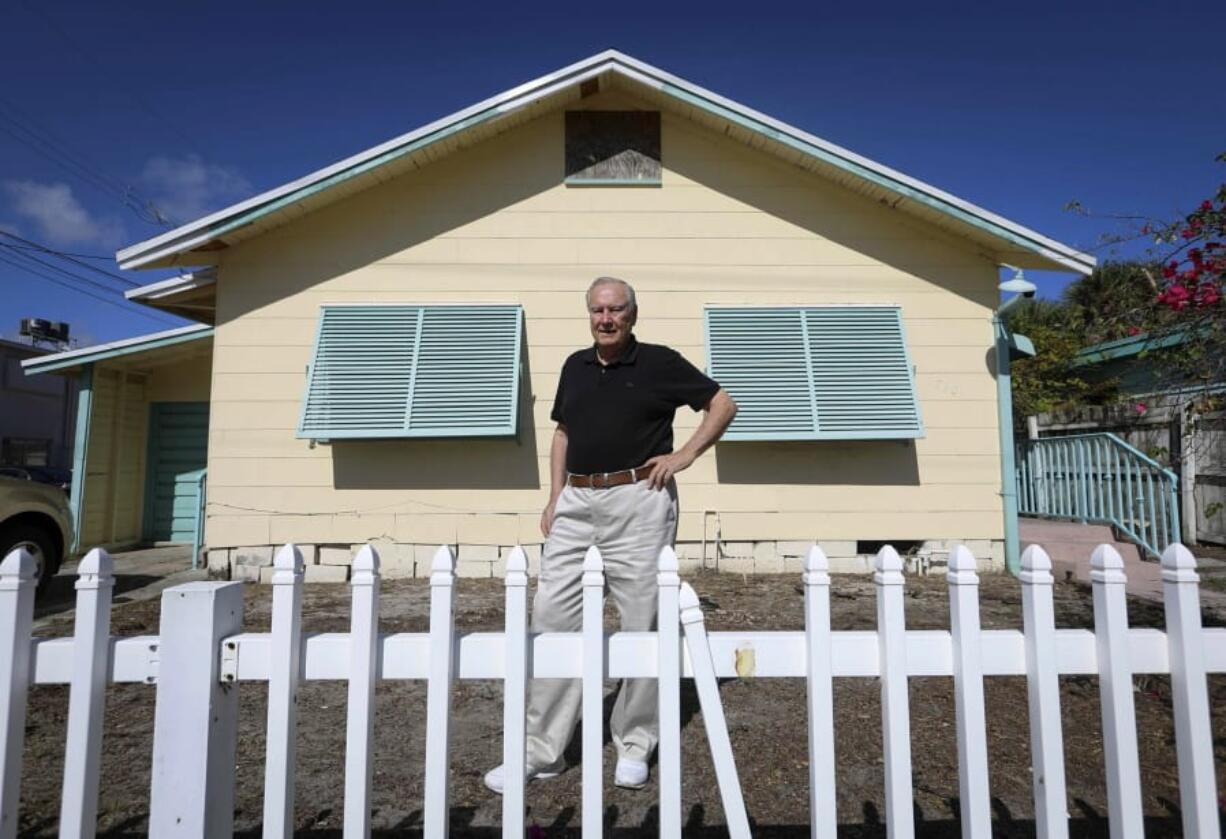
column 604, row 480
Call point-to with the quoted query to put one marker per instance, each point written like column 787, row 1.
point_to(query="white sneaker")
column 495, row 778
column 630, row 774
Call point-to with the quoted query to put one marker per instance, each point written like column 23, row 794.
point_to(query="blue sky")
column 109, row 105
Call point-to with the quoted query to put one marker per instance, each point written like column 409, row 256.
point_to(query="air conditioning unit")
column 45, row 330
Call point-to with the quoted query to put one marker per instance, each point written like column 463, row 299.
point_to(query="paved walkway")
column 1070, row 545
column 139, row 575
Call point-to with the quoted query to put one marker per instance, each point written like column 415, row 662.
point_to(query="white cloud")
column 60, row 218
column 187, row 188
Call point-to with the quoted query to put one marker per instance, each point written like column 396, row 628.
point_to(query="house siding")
column 115, row 469
column 493, row 223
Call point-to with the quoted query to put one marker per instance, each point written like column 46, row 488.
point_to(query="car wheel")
column 39, row 543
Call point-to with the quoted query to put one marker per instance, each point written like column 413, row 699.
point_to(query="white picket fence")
column 202, row 652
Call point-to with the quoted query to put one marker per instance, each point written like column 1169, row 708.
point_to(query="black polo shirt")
column 619, row 415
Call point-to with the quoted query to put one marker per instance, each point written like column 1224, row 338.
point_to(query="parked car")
column 36, row 517
column 61, row 478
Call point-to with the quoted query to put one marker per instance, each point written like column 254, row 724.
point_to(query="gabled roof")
column 197, row 243
column 73, row 359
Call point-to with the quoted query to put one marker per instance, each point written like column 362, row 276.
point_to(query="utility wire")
column 26, row 258
column 80, row 51
column 35, row 273
column 102, row 257
column 32, row 245
column 23, row 129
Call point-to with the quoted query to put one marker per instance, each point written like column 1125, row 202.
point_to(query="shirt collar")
column 628, row 357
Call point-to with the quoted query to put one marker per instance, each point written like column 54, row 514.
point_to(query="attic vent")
column 613, row 147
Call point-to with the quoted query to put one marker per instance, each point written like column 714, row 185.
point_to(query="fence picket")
column 438, row 694
column 668, row 752
column 593, row 693
column 823, row 810
column 87, row 695
column 895, row 713
column 973, row 787
column 1115, row 685
column 286, row 640
column 1043, row 691
column 712, row 714
column 514, row 697
column 360, row 721
column 16, row 617
column 1189, row 693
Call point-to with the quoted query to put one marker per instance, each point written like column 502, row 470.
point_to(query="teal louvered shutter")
column 814, row 373
column 385, row 371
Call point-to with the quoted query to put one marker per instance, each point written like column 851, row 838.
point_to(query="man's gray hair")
column 599, row 281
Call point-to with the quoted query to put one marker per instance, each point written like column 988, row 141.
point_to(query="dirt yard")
column 766, row 719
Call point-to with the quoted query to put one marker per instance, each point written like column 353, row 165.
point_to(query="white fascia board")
column 199, row 232
column 61, row 359
column 173, row 285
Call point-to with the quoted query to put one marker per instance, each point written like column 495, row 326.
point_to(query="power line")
column 65, row 256
column 20, row 127
column 79, row 49
column 102, row 257
column 35, row 273
column 28, row 258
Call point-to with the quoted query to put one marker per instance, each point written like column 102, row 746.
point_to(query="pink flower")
column 1140, row 407
column 1134, row 330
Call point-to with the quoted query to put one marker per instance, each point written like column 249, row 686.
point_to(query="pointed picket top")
column 1107, row 565
column 442, row 567
column 667, row 562
column 95, row 570
column 687, row 599
column 18, row 567
column 1036, row 565
column 817, row 566
column 962, row 567
column 592, row 561
column 288, row 565
column 1179, row 565
column 889, row 567
column 365, row 568
column 517, row 567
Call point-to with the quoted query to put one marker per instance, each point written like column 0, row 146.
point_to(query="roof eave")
column 169, row 247
column 72, row 359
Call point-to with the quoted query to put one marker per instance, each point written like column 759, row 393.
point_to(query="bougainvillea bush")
column 1176, row 297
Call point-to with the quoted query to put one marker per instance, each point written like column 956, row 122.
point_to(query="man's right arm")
column 557, row 476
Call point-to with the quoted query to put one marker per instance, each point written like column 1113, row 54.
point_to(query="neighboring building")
column 37, row 413
column 389, row 330
column 1163, row 416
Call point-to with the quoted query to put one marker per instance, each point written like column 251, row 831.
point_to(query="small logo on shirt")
column 629, row 384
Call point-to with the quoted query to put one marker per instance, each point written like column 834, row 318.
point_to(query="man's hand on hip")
column 664, row 466
column 547, row 517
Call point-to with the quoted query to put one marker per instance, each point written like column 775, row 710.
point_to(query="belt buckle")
column 604, row 480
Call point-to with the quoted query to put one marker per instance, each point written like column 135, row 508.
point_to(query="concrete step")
column 1071, row 544
column 1081, row 551
column 1044, row 530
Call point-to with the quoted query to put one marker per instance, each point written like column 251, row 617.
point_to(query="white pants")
column 629, row 524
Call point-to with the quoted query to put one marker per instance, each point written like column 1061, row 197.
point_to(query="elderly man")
column 611, row 467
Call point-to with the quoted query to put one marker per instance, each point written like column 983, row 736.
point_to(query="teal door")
column 178, row 450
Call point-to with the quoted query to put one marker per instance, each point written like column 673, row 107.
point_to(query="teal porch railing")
column 1100, row 478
